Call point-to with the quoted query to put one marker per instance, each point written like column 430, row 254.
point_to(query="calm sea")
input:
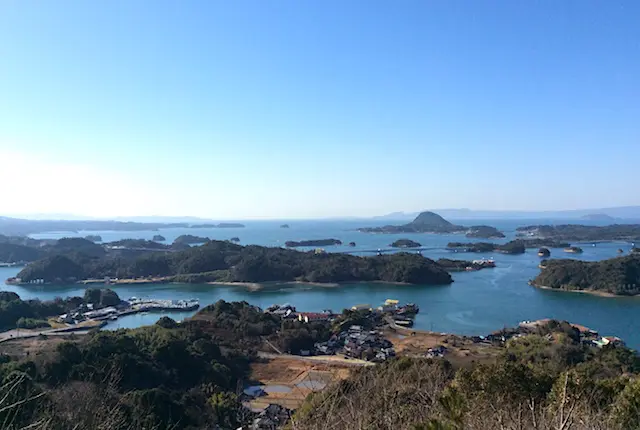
column 476, row 303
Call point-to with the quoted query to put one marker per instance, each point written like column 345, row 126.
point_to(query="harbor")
column 127, row 307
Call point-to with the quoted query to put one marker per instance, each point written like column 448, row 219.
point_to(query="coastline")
column 590, row 292
column 251, row 286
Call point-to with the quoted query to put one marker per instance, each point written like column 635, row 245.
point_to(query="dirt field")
column 461, row 351
column 288, row 381
column 34, row 346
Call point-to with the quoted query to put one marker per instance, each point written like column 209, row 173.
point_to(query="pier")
column 129, row 307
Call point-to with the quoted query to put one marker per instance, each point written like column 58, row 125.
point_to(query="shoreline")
column 252, row 286
column 589, row 292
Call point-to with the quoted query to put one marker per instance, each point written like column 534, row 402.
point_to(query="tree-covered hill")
column 228, row 262
column 619, row 275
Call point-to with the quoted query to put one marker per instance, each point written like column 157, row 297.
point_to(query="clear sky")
column 295, row 108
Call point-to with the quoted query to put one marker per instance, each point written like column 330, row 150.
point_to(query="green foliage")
column 617, row 275
column 484, row 231
column 189, row 239
column 101, row 297
column 405, row 243
column 225, row 408
column 229, row 262
column 12, row 309
column 14, row 253
column 157, row 377
column 58, row 268
column 626, row 409
column 512, row 247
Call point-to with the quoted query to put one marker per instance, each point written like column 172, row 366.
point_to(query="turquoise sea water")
column 476, row 303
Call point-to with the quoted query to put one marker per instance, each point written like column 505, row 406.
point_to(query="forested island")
column 405, row 243
column 224, row 261
column 94, row 238
column 313, row 242
column 583, row 233
column 425, row 222
column 430, row 222
column 484, row 232
column 512, row 247
column 284, row 226
column 462, row 265
column 619, row 276
column 158, row 238
column 544, row 252
column 189, row 239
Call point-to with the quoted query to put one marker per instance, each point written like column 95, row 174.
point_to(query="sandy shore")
column 256, row 286
column 591, row 292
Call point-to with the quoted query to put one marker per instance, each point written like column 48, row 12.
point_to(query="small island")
column 314, row 242
column 352, row 244
column 573, row 250
column 188, row 239
column 615, row 276
column 430, row 222
column 94, row 238
column 425, row 222
column 464, row 266
column 284, row 226
column 235, row 239
column 544, row 252
column 484, row 232
column 159, row 238
column 405, row 243
column 513, row 247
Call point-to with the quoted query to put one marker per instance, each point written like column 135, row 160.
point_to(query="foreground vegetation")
column 190, row 375
column 222, row 261
column 187, row 375
column 549, row 380
column 619, row 275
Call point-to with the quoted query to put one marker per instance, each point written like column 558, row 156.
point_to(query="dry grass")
column 35, row 346
column 462, row 352
column 302, row 377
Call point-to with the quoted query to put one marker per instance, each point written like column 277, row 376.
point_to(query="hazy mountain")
column 162, row 219
column 599, row 217
column 615, row 214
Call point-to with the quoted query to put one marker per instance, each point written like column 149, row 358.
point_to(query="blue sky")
column 287, row 109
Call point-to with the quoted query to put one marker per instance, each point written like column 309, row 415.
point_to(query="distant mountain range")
column 602, row 214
